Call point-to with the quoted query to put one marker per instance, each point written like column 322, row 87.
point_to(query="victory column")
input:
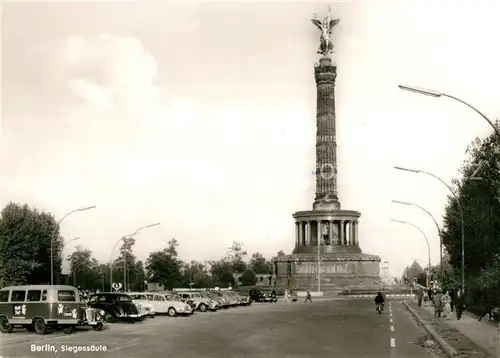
column 326, row 238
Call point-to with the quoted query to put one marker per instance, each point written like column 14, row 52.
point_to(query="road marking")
column 393, row 342
column 390, row 320
column 392, row 328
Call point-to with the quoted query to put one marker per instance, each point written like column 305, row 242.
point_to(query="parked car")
column 219, row 301
column 258, row 295
column 39, row 308
column 243, row 300
column 220, row 298
column 116, row 306
column 201, row 303
column 173, row 305
column 232, row 300
column 145, row 307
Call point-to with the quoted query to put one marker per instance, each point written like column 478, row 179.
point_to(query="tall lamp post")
column 124, row 258
column 67, row 242
column 53, row 237
column 437, row 227
column 418, row 171
column 437, row 94
column 428, row 247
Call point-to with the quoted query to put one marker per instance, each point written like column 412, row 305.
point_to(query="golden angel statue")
column 326, row 46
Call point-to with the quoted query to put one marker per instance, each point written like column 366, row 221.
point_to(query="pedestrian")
column 487, row 302
column 286, row 297
column 308, row 297
column 459, row 304
column 453, row 295
column 420, row 296
column 437, row 303
column 446, row 305
column 429, row 294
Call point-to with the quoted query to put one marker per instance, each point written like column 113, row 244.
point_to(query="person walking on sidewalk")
column 453, row 295
column 420, row 297
column 308, row 297
column 445, row 304
column 459, row 304
column 437, row 303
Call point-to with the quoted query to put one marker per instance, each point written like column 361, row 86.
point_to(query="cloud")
column 102, row 72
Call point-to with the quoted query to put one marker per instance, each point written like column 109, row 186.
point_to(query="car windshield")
column 123, row 298
column 173, row 297
column 138, row 297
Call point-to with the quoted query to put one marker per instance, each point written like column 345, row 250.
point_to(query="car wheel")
column 172, row 312
column 5, row 326
column 69, row 329
column 203, row 307
column 108, row 317
column 98, row 327
column 40, row 326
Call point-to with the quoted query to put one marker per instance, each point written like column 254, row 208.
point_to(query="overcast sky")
column 201, row 116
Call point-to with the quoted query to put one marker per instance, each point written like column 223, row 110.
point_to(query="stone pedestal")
column 338, row 271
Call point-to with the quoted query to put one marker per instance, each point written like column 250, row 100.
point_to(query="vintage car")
column 201, row 303
column 172, row 305
column 145, row 307
column 258, row 295
column 242, row 300
column 222, row 298
column 219, row 301
column 231, row 300
column 39, row 308
column 116, row 306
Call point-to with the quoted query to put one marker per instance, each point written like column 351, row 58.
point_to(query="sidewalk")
column 467, row 336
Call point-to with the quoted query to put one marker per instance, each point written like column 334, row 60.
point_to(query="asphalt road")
column 324, row 328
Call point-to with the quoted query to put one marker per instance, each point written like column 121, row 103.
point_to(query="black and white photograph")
column 250, row 179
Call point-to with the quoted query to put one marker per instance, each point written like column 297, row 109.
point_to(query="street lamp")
column 53, row 237
column 124, row 258
column 436, row 94
column 418, row 171
column 428, row 247
column 435, row 222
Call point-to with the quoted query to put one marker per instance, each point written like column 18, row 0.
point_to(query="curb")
column 450, row 351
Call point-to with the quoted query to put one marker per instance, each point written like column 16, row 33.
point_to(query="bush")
column 248, row 278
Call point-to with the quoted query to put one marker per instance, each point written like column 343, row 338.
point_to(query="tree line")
column 25, row 241
column 477, row 203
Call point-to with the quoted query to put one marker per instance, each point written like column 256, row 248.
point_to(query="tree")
column 248, row 278
column 478, row 191
column 280, row 253
column 195, row 276
column 25, row 245
column 163, row 267
column 414, row 273
column 235, row 256
column 260, row 265
column 222, row 273
column 84, row 269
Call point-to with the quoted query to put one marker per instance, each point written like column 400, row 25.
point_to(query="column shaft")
column 318, row 233
column 356, row 239
column 297, row 236
column 330, row 232
column 342, row 232
column 308, row 234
